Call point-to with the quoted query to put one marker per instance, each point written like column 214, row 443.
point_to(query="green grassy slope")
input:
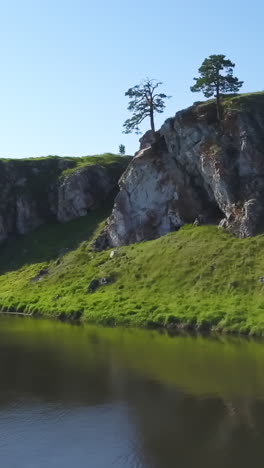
column 197, row 277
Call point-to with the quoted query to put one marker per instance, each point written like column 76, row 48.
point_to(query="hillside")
column 198, row 277
column 162, row 268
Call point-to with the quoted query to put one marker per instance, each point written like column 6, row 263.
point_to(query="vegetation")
column 144, row 102
column 112, row 161
column 122, row 150
column 198, row 277
column 41, row 175
column 212, row 82
column 245, row 101
column 49, row 167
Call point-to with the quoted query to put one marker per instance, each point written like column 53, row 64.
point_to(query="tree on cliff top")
column 144, row 102
column 214, row 83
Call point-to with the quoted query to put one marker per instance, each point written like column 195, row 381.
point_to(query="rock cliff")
column 198, row 170
column 35, row 191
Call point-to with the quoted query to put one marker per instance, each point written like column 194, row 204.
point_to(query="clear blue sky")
column 66, row 64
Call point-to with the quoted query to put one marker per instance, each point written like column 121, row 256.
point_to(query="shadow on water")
column 183, row 401
column 50, row 241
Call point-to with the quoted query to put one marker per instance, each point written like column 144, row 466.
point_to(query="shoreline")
column 198, row 279
column 179, row 329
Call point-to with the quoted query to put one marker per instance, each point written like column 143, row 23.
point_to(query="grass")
column 246, row 101
column 42, row 174
column 37, row 179
column 109, row 160
column 196, row 277
column 103, row 159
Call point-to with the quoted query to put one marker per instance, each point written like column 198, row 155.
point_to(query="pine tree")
column 144, row 102
column 216, row 78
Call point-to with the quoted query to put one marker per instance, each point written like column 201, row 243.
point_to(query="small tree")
column 122, row 150
column 144, row 102
column 214, row 83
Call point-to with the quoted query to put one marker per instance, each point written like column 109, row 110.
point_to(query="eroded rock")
column 197, row 168
column 147, row 140
column 82, row 191
column 34, row 192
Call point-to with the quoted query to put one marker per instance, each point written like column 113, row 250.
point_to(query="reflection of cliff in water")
column 177, row 430
column 186, row 402
column 48, row 374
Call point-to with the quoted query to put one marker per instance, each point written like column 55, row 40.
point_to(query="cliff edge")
column 41, row 190
column 198, row 171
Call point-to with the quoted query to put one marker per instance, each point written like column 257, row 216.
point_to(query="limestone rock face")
column 197, row 168
column 34, row 192
column 27, row 217
column 147, row 140
column 82, row 191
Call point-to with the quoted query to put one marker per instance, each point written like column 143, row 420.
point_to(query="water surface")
column 85, row 396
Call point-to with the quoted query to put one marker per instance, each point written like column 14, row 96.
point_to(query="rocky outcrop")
column 147, row 139
column 35, row 191
column 196, row 169
column 84, row 190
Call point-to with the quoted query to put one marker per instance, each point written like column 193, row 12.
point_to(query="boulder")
column 43, row 272
column 96, row 283
column 113, row 253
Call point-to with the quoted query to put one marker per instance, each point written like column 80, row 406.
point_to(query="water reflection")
column 90, row 396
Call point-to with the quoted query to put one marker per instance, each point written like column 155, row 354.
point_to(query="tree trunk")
column 218, row 104
column 152, row 120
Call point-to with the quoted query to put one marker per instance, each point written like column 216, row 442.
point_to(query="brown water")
column 73, row 397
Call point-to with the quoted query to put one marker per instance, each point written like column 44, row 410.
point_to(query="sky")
column 66, row 65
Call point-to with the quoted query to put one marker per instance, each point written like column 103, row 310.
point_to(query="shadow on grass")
column 50, row 241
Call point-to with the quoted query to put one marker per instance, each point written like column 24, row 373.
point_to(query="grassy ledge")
column 198, row 277
column 237, row 102
column 112, row 161
column 37, row 177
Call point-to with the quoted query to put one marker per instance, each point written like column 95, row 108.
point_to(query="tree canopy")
column 144, row 102
column 216, row 78
column 122, row 149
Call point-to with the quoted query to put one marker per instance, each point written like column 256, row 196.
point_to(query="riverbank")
column 57, row 378
column 197, row 278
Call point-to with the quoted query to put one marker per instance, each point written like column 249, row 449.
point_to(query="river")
column 86, row 396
